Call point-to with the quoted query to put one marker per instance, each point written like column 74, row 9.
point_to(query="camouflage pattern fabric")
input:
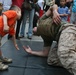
column 52, row 56
column 50, row 3
column 65, row 55
column 47, row 30
column 67, row 48
column 46, row 27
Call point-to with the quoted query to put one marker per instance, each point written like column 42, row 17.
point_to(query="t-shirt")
column 11, row 20
column 63, row 10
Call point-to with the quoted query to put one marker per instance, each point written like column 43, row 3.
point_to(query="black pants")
column 18, row 25
column 35, row 19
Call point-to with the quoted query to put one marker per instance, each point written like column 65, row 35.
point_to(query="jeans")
column 73, row 18
column 30, row 14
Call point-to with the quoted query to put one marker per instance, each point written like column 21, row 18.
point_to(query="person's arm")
column 44, row 52
column 14, row 41
column 56, row 16
column 53, row 10
column 6, row 27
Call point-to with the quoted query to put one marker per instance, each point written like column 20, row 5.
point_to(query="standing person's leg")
column 72, row 19
column 2, row 66
column 18, row 26
column 35, row 20
column 31, row 16
column 2, row 59
column 24, row 23
column 67, row 49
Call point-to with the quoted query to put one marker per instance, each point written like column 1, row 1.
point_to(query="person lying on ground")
column 65, row 35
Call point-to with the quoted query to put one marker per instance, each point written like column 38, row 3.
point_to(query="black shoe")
column 17, row 38
column 29, row 37
column 21, row 36
column 9, row 36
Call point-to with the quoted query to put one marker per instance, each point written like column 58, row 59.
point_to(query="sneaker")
column 3, row 66
column 6, row 60
column 22, row 36
column 17, row 38
column 29, row 37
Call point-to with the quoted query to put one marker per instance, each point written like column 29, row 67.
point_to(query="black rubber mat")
column 13, row 71
column 27, row 64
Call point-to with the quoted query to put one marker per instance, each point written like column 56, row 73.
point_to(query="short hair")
column 14, row 7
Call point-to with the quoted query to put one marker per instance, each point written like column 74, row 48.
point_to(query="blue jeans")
column 73, row 18
column 30, row 14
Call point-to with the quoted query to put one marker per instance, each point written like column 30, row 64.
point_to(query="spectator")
column 6, row 4
column 41, row 4
column 19, row 4
column 30, row 14
column 73, row 12
column 63, row 10
column 36, row 14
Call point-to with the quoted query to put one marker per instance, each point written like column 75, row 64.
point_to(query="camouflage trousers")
column 65, row 54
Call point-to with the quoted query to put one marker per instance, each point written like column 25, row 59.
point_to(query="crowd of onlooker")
column 38, row 9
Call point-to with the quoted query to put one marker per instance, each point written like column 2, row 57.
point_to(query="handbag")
column 26, row 5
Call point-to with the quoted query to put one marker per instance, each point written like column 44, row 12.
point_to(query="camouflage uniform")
column 67, row 48
column 65, row 54
column 47, row 30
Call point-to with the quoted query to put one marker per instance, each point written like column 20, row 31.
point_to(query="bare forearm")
column 51, row 10
column 5, row 20
column 13, row 39
column 6, row 27
column 55, row 7
column 43, row 52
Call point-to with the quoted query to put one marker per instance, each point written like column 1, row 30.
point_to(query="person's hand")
column 16, row 46
column 27, row 49
column 56, row 17
column 35, row 29
column 65, row 14
column 6, row 28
